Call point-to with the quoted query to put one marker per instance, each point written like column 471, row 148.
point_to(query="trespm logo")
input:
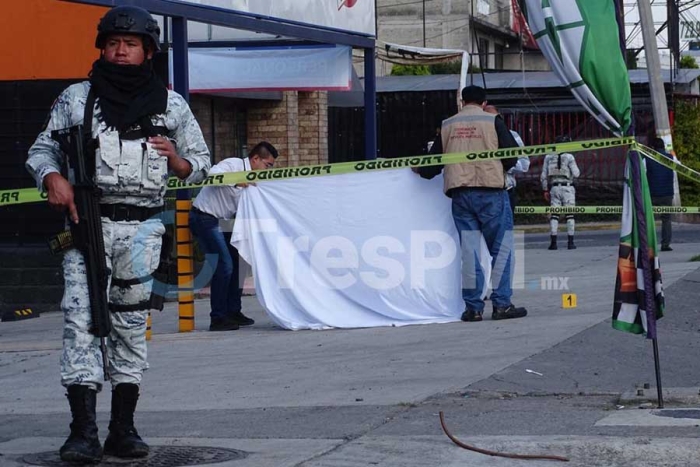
column 554, row 283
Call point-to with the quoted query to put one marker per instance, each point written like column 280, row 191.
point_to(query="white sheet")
column 356, row 250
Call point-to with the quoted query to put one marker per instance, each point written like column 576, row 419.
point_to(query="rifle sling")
column 140, row 306
column 127, row 283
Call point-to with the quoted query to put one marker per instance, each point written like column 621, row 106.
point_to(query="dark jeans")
column 665, row 218
column 512, row 199
column 223, row 259
column 486, row 212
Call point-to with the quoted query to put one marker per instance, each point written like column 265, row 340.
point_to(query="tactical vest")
column 471, row 130
column 125, row 163
column 557, row 171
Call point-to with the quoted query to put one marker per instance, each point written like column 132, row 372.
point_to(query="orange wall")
column 47, row 39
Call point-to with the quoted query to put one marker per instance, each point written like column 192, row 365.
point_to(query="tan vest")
column 471, row 130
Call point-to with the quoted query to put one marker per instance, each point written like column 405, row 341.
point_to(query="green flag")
column 580, row 40
column 639, row 296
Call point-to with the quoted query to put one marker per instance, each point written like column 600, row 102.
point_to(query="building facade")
column 63, row 53
column 46, row 46
column 484, row 28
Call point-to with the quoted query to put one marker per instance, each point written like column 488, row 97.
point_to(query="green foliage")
column 631, row 60
column 688, row 62
column 451, row 68
column 686, row 144
column 410, row 70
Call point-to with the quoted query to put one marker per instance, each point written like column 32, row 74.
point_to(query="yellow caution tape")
column 21, row 196
column 666, row 162
column 30, row 195
column 601, row 209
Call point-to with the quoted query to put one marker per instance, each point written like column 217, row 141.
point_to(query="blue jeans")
column 484, row 212
column 223, row 259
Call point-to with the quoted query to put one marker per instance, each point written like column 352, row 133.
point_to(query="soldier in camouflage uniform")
column 142, row 132
column 558, row 174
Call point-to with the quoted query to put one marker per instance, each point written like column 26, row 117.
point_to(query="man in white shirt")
column 522, row 166
column 220, row 203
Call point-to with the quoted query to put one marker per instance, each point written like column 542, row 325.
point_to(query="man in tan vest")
column 480, row 204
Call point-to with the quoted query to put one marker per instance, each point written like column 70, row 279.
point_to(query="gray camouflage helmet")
column 128, row 20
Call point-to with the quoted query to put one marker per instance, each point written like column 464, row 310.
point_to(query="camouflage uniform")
column 559, row 172
column 129, row 172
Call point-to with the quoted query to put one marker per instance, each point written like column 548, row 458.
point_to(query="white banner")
column 270, row 69
column 356, row 16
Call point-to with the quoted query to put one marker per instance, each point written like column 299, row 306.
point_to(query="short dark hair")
column 658, row 144
column 264, row 149
column 474, row 95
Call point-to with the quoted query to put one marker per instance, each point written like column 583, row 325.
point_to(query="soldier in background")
column 142, row 133
column 558, row 174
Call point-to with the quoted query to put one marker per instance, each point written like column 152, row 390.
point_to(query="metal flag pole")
column 636, row 174
column 643, row 257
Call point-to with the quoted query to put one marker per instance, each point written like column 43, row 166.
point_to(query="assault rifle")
column 87, row 234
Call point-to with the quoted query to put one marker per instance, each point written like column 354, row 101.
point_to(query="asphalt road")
column 366, row 397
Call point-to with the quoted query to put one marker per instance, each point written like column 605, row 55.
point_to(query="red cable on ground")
column 494, row 453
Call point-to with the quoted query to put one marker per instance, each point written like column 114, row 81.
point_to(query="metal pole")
column 473, row 35
column 636, row 172
column 423, row 23
column 656, row 85
column 181, row 75
column 620, row 16
column 647, row 266
column 370, row 105
column 183, row 202
column 657, row 368
column 673, row 33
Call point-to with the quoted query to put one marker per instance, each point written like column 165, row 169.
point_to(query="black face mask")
column 127, row 93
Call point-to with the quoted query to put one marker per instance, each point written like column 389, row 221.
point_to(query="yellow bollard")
column 149, row 333
column 185, row 266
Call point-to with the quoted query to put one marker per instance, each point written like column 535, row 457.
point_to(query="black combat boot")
column 553, row 244
column 571, row 245
column 83, row 445
column 123, row 439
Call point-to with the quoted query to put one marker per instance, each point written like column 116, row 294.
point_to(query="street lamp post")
column 423, row 23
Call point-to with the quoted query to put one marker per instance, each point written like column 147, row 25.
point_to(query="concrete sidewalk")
column 371, row 396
